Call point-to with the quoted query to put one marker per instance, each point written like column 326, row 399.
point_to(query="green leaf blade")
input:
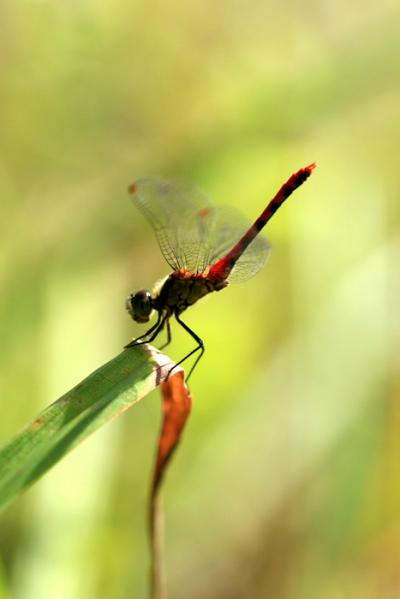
column 103, row 395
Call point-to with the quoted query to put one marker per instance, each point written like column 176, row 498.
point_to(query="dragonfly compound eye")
column 140, row 306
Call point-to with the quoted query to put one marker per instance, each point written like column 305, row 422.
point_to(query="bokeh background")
column 287, row 482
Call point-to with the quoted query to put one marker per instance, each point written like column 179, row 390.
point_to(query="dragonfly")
column 206, row 246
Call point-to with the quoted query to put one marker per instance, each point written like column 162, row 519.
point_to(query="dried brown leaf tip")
column 176, row 406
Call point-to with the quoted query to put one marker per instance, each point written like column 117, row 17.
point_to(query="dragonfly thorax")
column 183, row 289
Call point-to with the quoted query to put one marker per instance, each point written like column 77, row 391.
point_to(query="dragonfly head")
column 140, row 305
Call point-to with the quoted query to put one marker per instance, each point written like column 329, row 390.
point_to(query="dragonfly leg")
column 200, row 347
column 149, row 335
column 168, row 341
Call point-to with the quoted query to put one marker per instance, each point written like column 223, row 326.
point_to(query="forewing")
column 182, row 218
column 228, row 228
column 193, row 233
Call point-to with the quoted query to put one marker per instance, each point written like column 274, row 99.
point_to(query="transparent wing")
column 193, row 233
column 251, row 261
column 182, row 219
column 228, row 226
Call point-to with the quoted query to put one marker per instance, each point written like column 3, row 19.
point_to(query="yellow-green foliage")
column 287, row 482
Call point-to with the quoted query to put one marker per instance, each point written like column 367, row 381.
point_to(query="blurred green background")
column 287, row 482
